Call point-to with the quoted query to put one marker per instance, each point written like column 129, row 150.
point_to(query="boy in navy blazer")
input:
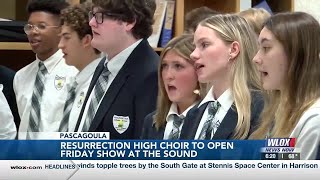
column 124, row 87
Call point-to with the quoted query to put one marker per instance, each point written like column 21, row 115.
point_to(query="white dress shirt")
column 83, row 79
column 170, row 117
column 54, row 93
column 8, row 128
column 114, row 65
column 226, row 101
column 307, row 132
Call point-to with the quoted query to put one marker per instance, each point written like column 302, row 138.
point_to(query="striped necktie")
column 35, row 112
column 68, row 107
column 175, row 133
column 99, row 90
column 206, row 131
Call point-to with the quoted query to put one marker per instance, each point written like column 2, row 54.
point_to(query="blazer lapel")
column 95, row 77
column 226, row 128
column 108, row 98
column 131, row 65
column 157, row 134
column 191, row 123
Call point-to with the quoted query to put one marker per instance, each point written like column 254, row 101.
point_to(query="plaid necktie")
column 68, row 107
column 207, row 128
column 177, row 121
column 99, row 90
column 35, row 114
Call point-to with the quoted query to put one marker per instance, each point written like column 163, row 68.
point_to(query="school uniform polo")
column 83, row 80
column 54, row 93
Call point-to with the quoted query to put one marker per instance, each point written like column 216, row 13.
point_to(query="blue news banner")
column 131, row 150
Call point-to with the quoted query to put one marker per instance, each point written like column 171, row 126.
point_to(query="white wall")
column 245, row 4
column 310, row 6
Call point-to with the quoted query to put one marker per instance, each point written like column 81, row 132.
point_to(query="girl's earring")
column 197, row 92
column 229, row 58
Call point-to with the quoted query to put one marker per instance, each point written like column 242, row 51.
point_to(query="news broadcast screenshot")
column 159, row 89
column 83, row 155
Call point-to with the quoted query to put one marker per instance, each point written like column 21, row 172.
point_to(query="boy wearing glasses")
column 124, row 87
column 40, row 86
column 75, row 43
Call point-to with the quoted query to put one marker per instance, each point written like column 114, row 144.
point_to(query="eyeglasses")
column 38, row 27
column 99, row 16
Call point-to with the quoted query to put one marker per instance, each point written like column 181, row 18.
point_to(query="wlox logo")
column 281, row 142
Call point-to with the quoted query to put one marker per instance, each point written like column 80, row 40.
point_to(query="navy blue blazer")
column 227, row 126
column 149, row 129
column 6, row 78
column 132, row 94
column 318, row 154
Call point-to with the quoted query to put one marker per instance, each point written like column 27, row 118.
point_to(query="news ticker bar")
column 166, row 169
column 98, row 146
column 143, row 150
column 280, row 156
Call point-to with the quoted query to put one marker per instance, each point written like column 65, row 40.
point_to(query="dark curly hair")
column 77, row 18
column 139, row 11
column 51, row 6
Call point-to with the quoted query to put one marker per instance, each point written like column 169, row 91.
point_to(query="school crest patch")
column 121, row 123
column 59, row 82
column 81, row 99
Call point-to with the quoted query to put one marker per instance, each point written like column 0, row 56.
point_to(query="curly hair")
column 52, row 7
column 77, row 18
column 138, row 11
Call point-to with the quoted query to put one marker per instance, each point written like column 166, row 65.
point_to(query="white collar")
column 226, row 99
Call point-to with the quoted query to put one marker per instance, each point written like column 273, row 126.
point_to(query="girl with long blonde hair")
column 179, row 90
column 225, row 45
